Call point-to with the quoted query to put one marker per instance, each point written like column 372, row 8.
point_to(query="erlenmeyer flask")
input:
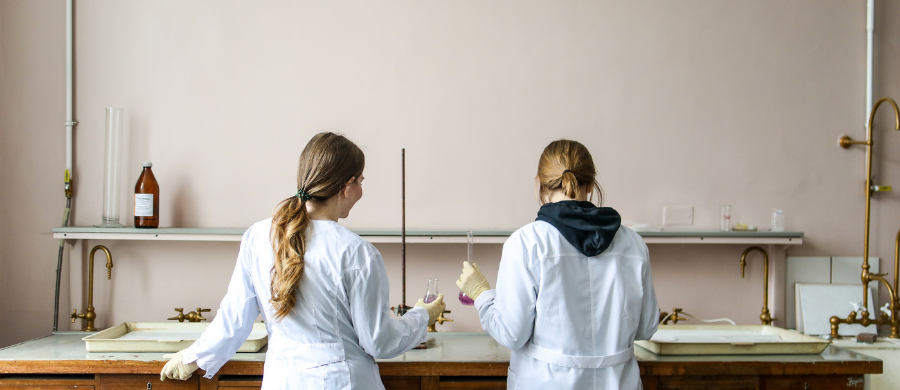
column 470, row 243
column 432, row 292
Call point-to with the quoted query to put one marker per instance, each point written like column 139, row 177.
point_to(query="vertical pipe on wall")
column 70, row 122
column 870, row 38
column 68, row 173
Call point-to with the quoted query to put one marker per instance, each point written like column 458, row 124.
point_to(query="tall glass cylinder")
column 470, row 244
column 111, row 153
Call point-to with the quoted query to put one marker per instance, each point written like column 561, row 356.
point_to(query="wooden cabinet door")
column 146, row 382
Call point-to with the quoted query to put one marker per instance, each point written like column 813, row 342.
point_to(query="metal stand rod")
column 403, row 228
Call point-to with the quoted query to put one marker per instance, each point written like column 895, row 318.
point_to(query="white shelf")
column 420, row 236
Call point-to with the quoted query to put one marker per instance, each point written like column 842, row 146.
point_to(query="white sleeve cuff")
column 485, row 297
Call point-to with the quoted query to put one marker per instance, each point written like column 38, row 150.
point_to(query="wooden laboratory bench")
column 452, row 361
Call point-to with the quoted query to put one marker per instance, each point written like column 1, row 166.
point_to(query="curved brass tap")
column 440, row 319
column 866, row 276
column 89, row 316
column 765, row 317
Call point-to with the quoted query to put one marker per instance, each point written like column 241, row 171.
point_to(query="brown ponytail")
column 566, row 166
column 327, row 164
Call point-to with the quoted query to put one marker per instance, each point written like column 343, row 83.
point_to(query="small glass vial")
column 725, row 220
column 431, row 293
column 146, row 199
column 777, row 220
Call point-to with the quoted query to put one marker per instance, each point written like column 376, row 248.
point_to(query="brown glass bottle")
column 146, row 199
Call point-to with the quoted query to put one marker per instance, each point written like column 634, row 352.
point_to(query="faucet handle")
column 886, row 309
column 180, row 316
column 74, row 315
column 200, row 315
column 441, row 319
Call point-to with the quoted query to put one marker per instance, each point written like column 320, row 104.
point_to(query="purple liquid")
column 465, row 300
column 429, row 298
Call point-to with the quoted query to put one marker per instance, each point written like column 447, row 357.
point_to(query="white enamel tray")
column 162, row 337
column 731, row 340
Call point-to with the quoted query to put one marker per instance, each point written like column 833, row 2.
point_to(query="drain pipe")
column 870, row 39
column 70, row 124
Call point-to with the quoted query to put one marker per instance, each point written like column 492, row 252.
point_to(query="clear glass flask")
column 432, row 291
column 112, row 148
column 470, row 244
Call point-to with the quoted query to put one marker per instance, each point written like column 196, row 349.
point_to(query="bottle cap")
column 148, row 164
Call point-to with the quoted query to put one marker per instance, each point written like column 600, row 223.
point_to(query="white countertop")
column 442, row 347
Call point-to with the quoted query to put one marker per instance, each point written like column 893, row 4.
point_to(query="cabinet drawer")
column 146, row 382
column 703, row 382
column 47, row 382
column 240, row 382
column 38, row 386
column 812, row 382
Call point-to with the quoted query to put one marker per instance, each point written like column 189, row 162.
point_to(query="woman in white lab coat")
column 321, row 289
column 574, row 289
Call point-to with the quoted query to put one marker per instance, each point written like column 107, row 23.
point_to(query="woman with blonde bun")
column 574, row 289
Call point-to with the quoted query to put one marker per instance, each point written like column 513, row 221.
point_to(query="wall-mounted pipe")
column 70, row 124
column 870, row 50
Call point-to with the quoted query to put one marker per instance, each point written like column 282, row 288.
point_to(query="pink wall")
column 686, row 102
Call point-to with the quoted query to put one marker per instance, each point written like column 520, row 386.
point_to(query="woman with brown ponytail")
column 574, row 288
column 321, row 289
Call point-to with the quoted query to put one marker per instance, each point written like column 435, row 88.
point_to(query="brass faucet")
column 765, row 317
column 664, row 317
column 192, row 316
column 866, row 276
column 440, row 319
column 89, row 316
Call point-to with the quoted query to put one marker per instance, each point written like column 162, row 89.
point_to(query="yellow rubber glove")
column 472, row 281
column 435, row 308
column 176, row 369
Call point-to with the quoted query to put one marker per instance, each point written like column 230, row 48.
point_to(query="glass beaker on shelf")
column 470, row 244
column 111, row 161
column 431, row 293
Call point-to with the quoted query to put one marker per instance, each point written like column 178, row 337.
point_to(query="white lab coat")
column 563, row 313
column 339, row 325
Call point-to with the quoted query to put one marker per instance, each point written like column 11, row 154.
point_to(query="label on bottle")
column 143, row 205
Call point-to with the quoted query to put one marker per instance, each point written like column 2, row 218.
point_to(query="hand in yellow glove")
column 472, row 281
column 435, row 308
column 176, row 369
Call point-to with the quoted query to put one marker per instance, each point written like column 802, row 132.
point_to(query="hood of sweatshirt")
column 587, row 227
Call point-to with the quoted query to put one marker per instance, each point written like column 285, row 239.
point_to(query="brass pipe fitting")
column 439, row 320
column 89, row 315
column 765, row 317
column 664, row 317
column 193, row 316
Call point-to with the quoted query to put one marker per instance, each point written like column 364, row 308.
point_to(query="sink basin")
column 162, row 337
column 730, row 340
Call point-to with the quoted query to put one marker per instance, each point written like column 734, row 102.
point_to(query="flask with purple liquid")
column 470, row 244
column 432, row 292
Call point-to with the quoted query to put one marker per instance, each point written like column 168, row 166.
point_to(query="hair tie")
column 564, row 172
column 303, row 195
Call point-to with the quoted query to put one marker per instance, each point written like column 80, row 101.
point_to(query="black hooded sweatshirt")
column 589, row 228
